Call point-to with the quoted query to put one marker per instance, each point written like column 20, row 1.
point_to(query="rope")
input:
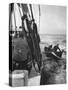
column 19, row 11
column 15, row 21
column 39, row 17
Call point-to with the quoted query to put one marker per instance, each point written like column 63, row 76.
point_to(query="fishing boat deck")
column 59, row 74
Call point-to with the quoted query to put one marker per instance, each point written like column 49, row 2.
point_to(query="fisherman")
column 22, row 54
column 29, row 36
column 37, row 41
column 33, row 39
column 47, row 72
column 56, row 48
column 35, row 31
column 50, row 48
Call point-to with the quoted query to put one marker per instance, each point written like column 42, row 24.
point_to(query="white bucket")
column 19, row 78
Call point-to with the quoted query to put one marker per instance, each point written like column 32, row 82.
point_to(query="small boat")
column 52, row 55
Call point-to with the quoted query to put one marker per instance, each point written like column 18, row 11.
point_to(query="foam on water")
column 53, row 39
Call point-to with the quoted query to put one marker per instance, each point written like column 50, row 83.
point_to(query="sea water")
column 53, row 39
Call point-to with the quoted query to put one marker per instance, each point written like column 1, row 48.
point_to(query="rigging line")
column 20, row 11
column 39, row 17
column 31, row 11
column 15, row 21
column 10, row 17
column 11, row 6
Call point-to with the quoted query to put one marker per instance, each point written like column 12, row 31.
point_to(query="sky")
column 52, row 18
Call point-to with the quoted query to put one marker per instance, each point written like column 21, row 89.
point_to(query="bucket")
column 18, row 78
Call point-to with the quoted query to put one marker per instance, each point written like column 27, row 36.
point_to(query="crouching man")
column 48, row 73
column 21, row 58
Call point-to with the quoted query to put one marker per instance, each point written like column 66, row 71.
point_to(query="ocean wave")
column 47, row 40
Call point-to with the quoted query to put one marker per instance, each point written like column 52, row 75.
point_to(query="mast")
column 11, row 8
column 39, row 17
